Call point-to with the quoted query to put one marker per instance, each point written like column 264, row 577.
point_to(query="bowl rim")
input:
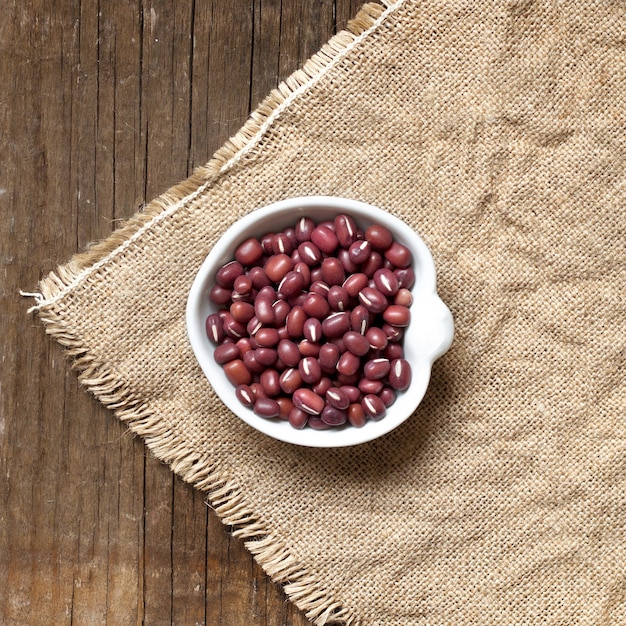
column 424, row 347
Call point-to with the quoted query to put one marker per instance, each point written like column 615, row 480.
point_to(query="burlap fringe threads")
column 270, row 552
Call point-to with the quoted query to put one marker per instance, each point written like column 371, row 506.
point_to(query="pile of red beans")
column 312, row 322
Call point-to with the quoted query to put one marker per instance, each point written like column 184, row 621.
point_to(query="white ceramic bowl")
column 427, row 337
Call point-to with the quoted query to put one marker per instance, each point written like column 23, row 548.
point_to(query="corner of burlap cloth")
column 497, row 130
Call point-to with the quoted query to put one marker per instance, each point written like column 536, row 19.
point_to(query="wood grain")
column 104, row 106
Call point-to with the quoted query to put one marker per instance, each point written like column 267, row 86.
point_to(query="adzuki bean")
column 310, row 321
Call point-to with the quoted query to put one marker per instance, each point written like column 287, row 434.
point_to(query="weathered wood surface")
column 103, row 106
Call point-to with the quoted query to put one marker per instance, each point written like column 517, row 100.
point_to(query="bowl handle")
column 437, row 317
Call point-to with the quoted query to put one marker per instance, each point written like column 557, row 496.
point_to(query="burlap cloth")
column 498, row 130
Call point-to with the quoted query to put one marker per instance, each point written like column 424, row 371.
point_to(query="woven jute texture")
column 498, row 131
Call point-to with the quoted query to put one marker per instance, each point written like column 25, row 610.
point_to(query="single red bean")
column 310, row 370
column 253, row 326
column 243, row 284
column 393, row 351
column 291, row 233
column 355, row 283
column 304, row 228
column 243, row 345
column 373, row 300
column 267, row 337
column 226, row 275
column 394, row 333
column 379, row 237
column 295, row 322
column 359, row 252
column 214, row 328
column 345, row 229
column 290, row 380
column 309, row 348
column 309, row 253
column 312, row 330
column 406, row 277
column 373, row 263
column 336, row 324
column 325, row 238
column 316, row 306
column 353, row 392
column 281, row 310
column 386, row 282
column 277, row 267
column 237, row 373
column 258, row 277
column 399, row 255
column 333, row 416
column 268, row 292
column 360, row 319
column 219, row 295
column 288, row 352
column 263, row 310
column 270, row 379
column 303, row 268
column 367, row 385
column 298, row 418
column 376, row 369
column 348, row 265
column 257, row 391
column 285, row 405
column 332, row 271
column 320, row 288
column 244, row 395
column 356, row 415
column 266, row 356
column 338, row 298
column 266, row 243
column 400, row 374
column 292, row 283
column 357, row 343
column 316, row 274
column 337, row 397
column 373, row 406
column 322, row 386
column 281, row 244
column 317, row 423
column 397, row 315
column 226, row 352
column 348, row 363
column 249, row 252
column 266, row 407
column 251, row 363
column 242, row 312
column 376, row 338
column 328, row 357
column 308, row 401
column 403, row 298
column 234, row 329
column 388, row 396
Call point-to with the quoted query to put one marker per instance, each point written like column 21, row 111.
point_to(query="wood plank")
column 105, row 106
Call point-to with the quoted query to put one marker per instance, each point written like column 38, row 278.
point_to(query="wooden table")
column 103, row 106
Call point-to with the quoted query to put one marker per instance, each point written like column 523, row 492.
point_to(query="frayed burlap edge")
column 300, row 585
